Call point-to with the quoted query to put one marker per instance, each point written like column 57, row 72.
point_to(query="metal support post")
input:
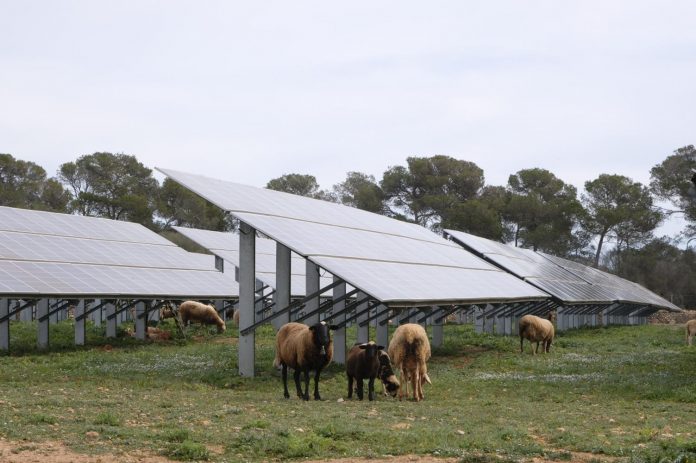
column 478, row 315
column 363, row 332
column 382, row 329
column 283, row 276
column 219, row 308
column 110, row 319
column 80, row 323
column 438, row 332
column 247, row 285
column 42, row 318
column 27, row 313
column 141, row 309
column 5, row 324
column 312, row 286
column 340, row 334
column 97, row 318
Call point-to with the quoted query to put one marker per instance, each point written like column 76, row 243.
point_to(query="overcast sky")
column 250, row 91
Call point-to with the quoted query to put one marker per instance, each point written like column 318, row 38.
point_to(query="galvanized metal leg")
column 363, row 332
column 111, row 321
column 97, row 318
column 438, row 332
column 26, row 314
column 4, row 325
column 340, row 334
column 382, row 329
column 141, row 320
column 42, row 317
column 479, row 318
column 247, row 292
column 507, row 321
column 80, row 323
column 499, row 325
column 283, row 275
column 312, row 285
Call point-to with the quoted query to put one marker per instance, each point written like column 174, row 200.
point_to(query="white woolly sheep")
column 304, row 349
column 192, row 311
column 537, row 329
column 690, row 331
column 409, row 349
column 363, row 363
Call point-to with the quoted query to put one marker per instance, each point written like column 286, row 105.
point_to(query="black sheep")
column 363, row 363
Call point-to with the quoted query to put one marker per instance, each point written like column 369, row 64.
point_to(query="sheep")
column 390, row 384
column 537, row 330
column 303, row 348
column 204, row 314
column 235, row 317
column 409, row 349
column 363, row 362
column 690, row 331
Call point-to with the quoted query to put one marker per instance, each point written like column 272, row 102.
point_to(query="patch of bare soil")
column 56, row 452
column 394, row 459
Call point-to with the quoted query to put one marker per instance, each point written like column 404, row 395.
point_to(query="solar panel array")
column 569, row 281
column 50, row 254
column 398, row 263
column 226, row 246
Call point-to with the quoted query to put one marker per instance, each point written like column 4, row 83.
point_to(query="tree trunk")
column 599, row 248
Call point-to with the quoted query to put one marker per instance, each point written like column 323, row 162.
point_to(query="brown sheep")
column 235, row 317
column 204, row 314
column 363, row 363
column 537, row 329
column 690, row 331
column 409, row 349
column 303, row 348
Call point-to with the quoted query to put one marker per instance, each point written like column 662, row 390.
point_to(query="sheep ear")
column 333, row 327
column 363, row 346
column 312, row 328
column 380, row 347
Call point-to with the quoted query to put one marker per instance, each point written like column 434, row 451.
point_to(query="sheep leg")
column 297, row 383
column 350, row 387
column 371, row 388
column 286, row 394
column 404, row 385
column 316, row 384
column 361, row 388
column 414, row 384
column 537, row 348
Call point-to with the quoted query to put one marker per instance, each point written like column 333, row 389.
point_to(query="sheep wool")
column 690, row 331
column 537, row 329
column 204, row 314
column 409, row 350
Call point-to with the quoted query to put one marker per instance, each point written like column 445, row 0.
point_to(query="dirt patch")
column 390, row 459
column 56, row 452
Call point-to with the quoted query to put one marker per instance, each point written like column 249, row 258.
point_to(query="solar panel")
column 569, row 281
column 226, row 246
column 400, row 263
column 50, row 254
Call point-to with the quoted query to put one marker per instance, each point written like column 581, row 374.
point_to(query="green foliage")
column 108, row 419
column 299, row 184
column 429, row 187
column 543, row 211
column 671, row 180
column 115, row 186
column 24, row 184
column 361, row 191
column 188, row 451
column 620, row 208
column 179, row 206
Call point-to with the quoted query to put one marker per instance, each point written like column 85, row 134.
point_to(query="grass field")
column 623, row 393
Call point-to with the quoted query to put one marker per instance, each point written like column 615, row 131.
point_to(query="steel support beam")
column 312, row 287
column 438, row 334
column 42, row 317
column 80, row 323
column 339, row 303
column 111, row 321
column 283, row 282
column 141, row 310
column 382, row 326
column 247, row 295
column 5, row 324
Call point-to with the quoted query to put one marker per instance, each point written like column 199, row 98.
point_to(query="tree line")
column 535, row 209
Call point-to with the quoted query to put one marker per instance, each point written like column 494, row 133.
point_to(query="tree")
column 24, row 184
column 179, row 206
column 299, row 184
column 543, row 211
column 115, row 186
column 361, row 191
column 619, row 208
column 671, row 181
column 428, row 188
column 481, row 216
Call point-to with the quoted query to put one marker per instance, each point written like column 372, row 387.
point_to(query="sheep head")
column 371, row 349
column 321, row 335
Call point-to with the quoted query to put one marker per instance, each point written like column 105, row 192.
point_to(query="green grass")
column 624, row 393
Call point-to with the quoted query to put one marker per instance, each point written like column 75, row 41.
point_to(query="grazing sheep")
column 409, row 349
column 167, row 311
column 390, row 383
column 537, row 330
column 362, row 363
column 690, row 331
column 201, row 313
column 235, row 317
column 303, row 348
